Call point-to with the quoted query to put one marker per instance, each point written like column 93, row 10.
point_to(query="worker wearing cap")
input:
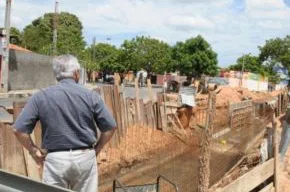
column 68, row 114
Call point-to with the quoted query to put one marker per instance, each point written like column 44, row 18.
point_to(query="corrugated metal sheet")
column 187, row 95
column 15, row 183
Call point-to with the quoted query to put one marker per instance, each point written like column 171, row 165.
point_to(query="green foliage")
column 15, row 36
column 276, row 51
column 195, row 57
column 147, row 53
column 39, row 34
column 87, row 61
column 106, row 57
column 251, row 64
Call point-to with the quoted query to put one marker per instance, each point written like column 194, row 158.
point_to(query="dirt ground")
column 141, row 147
column 145, row 153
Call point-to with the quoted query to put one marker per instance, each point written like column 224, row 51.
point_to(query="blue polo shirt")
column 68, row 113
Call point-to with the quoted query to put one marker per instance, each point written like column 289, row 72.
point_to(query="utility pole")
column 5, row 54
column 55, row 24
column 242, row 73
column 94, row 50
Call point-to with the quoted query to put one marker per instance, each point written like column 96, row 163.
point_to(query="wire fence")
column 150, row 142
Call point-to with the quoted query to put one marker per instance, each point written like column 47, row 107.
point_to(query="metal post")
column 55, row 24
column 94, row 49
column 243, row 66
column 5, row 68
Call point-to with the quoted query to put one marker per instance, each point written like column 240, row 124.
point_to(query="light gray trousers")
column 75, row 170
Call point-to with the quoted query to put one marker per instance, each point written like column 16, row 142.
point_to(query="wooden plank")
column 163, row 119
column 123, row 114
column 150, row 92
column 108, row 99
column 158, row 112
column 142, row 112
column 2, row 125
column 276, row 154
column 252, row 179
column 117, row 110
column 149, row 114
column 31, row 166
column 132, row 111
column 137, row 96
column 13, row 160
column 268, row 188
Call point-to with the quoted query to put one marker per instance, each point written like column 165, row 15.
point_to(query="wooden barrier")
column 252, row 179
column 268, row 171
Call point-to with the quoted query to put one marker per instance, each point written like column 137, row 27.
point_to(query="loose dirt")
column 141, row 147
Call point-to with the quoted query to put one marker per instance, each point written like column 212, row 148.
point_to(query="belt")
column 69, row 149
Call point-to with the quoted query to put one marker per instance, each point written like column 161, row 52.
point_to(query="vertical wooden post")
column 276, row 154
column 204, row 170
column 149, row 85
column 137, row 96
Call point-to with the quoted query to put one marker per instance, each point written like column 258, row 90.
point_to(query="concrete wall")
column 29, row 71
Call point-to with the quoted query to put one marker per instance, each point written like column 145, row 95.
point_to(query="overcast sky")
column 232, row 27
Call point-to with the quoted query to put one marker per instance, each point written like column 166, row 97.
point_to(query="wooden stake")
column 204, row 172
column 137, row 100
column 149, row 85
column 276, row 154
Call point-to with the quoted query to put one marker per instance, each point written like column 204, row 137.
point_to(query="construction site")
column 227, row 132
column 226, row 142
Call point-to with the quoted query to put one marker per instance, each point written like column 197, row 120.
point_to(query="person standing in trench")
column 68, row 113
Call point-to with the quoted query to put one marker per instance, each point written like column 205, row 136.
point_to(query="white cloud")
column 230, row 32
column 184, row 22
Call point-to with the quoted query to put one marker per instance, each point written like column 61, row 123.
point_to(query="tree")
column 88, row 63
column 147, row 53
column 276, row 51
column 251, row 64
column 106, row 56
column 38, row 35
column 15, row 36
column 195, row 57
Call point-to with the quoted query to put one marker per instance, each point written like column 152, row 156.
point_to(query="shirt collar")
column 67, row 80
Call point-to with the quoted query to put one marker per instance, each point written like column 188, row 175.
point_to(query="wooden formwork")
column 241, row 114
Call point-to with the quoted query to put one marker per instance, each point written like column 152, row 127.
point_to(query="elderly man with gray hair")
column 68, row 114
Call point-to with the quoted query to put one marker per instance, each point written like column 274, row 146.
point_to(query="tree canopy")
column 106, row 57
column 195, row 57
column 276, row 51
column 251, row 64
column 15, row 36
column 148, row 53
column 38, row 35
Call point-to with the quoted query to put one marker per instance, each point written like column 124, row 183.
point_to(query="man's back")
column 68, row 112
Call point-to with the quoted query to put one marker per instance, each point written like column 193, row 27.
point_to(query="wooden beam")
column 268, row 188
column 252, row 179
column 149, row 85
column 31, row 166
column 137, row 100
column 276, row 154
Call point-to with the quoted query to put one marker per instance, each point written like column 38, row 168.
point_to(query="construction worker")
column 68, row 113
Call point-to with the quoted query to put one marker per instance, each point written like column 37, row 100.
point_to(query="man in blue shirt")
column 68, row 114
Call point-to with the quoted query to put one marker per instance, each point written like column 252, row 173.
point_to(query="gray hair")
column 64, row 66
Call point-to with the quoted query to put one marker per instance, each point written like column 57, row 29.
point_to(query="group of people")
column 69, row 115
